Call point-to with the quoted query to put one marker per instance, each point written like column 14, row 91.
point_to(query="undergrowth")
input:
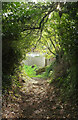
column 61, row 75
column 11, row 81
column 31, row 71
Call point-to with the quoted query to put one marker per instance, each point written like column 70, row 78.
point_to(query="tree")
column 51, row 25
column 68, row 34
column 22, row 23
column 20, row 20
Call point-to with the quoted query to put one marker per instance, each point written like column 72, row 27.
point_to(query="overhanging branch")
column 41, row 22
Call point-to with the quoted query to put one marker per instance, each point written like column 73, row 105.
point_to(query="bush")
column 49, row 69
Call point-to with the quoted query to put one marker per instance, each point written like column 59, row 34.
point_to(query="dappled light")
column 39, row 60
column 36, row 99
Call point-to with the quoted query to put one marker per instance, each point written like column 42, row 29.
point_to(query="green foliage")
column 16, row 41
column 66, row 87
column 49, row 70
column 23, row 26
column 68, row 39
column 16, row 81
column 12, row 80
column 31, row 72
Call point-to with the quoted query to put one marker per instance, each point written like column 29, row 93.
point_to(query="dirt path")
column 38, row 100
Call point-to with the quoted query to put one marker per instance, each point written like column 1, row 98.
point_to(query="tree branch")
column 51, row 51
column 42, row 21
column 52, row 43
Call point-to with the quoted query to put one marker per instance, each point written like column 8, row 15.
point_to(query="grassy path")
column 37, row 99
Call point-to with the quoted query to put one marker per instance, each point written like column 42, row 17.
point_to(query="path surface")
column 37, row 99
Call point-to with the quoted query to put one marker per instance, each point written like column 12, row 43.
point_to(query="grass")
column 31, row 72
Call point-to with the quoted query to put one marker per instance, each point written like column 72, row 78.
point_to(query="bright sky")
column 38, row 1
column 34, row 1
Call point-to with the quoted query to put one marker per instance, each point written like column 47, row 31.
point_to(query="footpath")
column 38, row 100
